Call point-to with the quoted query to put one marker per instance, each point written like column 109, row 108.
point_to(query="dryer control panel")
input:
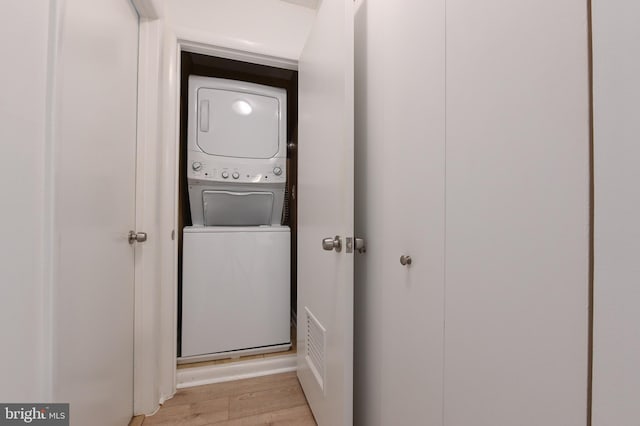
column 204, row 168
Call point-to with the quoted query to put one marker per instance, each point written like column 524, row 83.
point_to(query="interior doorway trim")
column 206, row 375
column 156, row 283
column 238, row 55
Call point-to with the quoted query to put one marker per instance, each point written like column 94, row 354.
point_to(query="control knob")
column 277, row 171
column 225, row 174
column 235, row 175
column 196, row 166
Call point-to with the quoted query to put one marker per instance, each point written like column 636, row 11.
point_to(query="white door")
column 94, row 120
column 412, row 215
column 325, row 202
column 616, row 336
column 517, row 213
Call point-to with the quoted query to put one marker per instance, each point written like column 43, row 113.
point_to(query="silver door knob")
column 405, row 260
column 332, row 244
column 137, row 237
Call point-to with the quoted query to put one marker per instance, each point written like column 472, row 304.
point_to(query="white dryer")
column 236, row 152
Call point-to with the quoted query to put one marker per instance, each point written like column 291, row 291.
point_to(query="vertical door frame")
column 156, row 283
column 152, row 375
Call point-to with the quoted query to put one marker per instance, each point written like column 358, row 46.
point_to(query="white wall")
column 616, row 376
column 267, row 27
column 24, row 355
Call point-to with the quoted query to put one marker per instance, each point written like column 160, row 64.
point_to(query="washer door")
column 228, row 208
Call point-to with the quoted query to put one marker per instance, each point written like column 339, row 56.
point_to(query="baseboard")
column 205, row 375
column 235, row 354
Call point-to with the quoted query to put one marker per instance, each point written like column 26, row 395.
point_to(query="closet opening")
column 237, row 212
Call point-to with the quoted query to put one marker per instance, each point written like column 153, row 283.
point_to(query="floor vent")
column 315, row 345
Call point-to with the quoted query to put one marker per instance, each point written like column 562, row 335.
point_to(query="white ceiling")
column 312, row 4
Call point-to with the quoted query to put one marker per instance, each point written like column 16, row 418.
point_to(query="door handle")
column 137, row 237
column 405, row 260
column 332, row 243
column 204, row 116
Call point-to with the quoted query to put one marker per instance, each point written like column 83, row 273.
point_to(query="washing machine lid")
column 228, row 208
column 238, row 124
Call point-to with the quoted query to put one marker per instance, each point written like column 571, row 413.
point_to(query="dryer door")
column 228, row 208
column 237, row 124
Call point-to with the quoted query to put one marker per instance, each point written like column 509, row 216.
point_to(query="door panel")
column 414, row 168
column 616, row 336
column 95, row 143
column 517, row 213
column 370, row 73
column 325, row 203
column 400, row 124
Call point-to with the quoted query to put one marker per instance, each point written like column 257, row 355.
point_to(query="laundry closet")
column 237, row 209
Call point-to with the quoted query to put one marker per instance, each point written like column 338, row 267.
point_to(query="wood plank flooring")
column 275, row 400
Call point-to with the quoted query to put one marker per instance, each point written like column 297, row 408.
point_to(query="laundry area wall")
column 268, row 27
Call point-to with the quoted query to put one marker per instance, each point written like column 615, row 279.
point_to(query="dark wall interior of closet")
column 209, row 66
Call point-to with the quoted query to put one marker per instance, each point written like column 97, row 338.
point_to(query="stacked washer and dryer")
column 236, row 256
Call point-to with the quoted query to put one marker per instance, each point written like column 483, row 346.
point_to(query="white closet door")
column 370, row 73
column 616, row 335
column 517, row 213
column 414, row 167
column 95, row 153
column 400, row 123
column 325, row 203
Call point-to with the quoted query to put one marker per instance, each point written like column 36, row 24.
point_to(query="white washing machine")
column 236, row 256
column 235, row 291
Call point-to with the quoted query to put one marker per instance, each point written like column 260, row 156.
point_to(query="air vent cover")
column 315, row 347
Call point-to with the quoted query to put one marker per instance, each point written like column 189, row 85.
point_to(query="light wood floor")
column 275, row 400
